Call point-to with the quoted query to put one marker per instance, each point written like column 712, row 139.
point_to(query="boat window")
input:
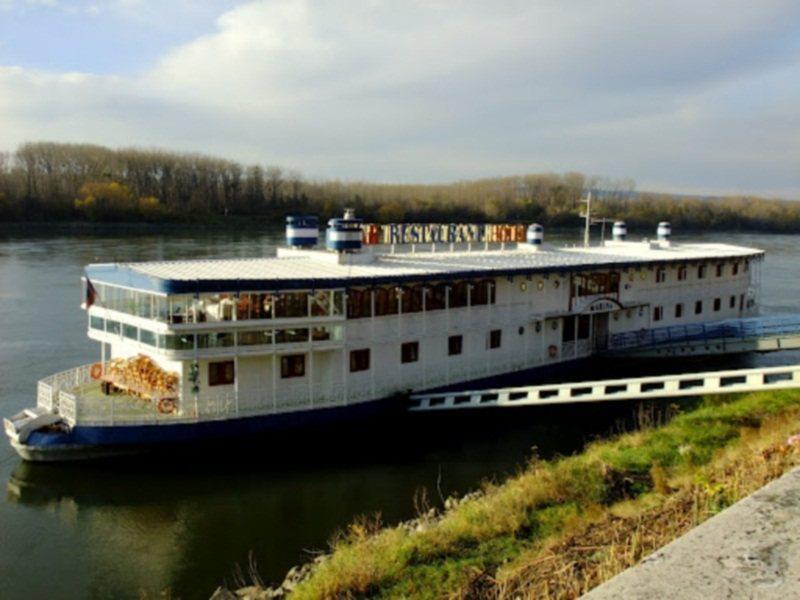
column 221, row 373
column 483, row 292
column 495, row 338
column 583, row 327
column 678, row 311
column 131, row 332
column 320, row 334
column 291, row 305
column 293, row 365
column 717, row 304
column 179, row 309
column 701, row 272
column 409, row 352
column 254, row 306
column 112, row 326
column 592, row 284
column 568, row 329
column 436, row 297
column 176, row 342
column 359, row 303
column 287, row 336
column 321, row 303
column 720, row 269
column 681, row 273
column 215, row 340
column 359, row 360
column 147, row 337
column 661, row 276
column 385, row 301
column 698, row 307
column 411, row 299
column 658, row 313
column 339, row 307
column 255, row 338
column 732, row 302
column 458, row 294
column 454, row 345
column 97, row 323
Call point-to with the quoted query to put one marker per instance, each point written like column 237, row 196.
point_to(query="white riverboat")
column 207, row 349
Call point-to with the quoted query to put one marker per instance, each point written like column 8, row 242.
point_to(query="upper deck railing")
column 733, row 329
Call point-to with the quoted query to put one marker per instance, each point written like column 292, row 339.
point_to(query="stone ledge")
column 749, row 550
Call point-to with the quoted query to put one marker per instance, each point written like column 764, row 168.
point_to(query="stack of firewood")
column 142, row 374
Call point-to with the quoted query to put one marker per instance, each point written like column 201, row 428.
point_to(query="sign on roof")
column 442, row 233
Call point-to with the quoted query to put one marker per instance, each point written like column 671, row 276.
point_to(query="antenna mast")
column 588, row 216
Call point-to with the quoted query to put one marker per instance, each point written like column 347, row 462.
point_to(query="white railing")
column 47, row 389
column 68, row 407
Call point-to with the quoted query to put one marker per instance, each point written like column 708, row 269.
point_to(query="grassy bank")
column 561, row 527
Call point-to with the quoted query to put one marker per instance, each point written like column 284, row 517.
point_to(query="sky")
column 690, row 96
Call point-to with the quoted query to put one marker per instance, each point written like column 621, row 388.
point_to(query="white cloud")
column 684, row 94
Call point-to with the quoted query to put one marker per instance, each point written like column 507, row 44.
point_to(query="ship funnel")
column 620, row 231
column 344, row 235
column 302, row 231
column 664, row 231
column 535, row 234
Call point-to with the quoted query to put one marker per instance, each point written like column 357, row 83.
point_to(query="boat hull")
column 90, row 442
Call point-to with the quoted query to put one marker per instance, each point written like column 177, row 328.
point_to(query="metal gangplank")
column 756, row 334
column 663, row 386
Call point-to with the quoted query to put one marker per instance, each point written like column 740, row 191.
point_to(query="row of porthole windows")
column 204, row 341
column 294, row 365
column 658, row 311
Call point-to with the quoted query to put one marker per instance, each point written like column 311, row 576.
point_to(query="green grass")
column 544, row 501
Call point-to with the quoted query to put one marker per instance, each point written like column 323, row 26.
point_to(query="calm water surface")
column 183, row 521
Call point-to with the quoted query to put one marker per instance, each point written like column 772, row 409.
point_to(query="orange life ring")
column 167, row 406
column 552, row 351
column 96, row 371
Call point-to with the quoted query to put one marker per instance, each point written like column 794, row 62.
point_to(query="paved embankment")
column 749, row 550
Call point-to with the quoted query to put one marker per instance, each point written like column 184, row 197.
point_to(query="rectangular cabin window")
column 179, row 309
column 735, row 269
column 113, row 326
column 293, row 365
column 698, row 307
column 97, row 323
column 583, row 327
column 291, row 336
column 495, row 338
column 359, row 303
column 215, row 340
column 320, row 334
column 720, row 269
column 482, row 293
column 411, row 299
column 568, row 329
column 436, row 297
column 255, row 338
column 321, row 303
column 386, row 301
column 176, row 342
column 732, row 302
column 254, row 306
column 147, row 337
column 458, row 294
column 717, row 304
column 130, row 331
column 658, row 313
column 592, row 284
column 221, row 373
column 409, row 352
column 359, row 360
column 291, row 305
column 661, row 275
column 678, row 311
column 681, row 273
column 455, row 345
column 701, row 272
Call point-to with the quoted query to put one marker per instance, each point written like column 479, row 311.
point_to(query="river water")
column 183, row 522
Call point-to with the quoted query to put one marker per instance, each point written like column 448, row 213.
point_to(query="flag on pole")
column 91, row 294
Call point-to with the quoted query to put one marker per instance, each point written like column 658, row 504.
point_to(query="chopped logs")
column 141, row 374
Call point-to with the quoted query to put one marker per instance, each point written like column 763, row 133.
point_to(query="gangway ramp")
column 638, row 388
column 755, row 334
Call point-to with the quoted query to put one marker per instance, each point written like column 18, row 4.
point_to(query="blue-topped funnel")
column 344, row 235
column 620, row 231
column 535, row 234
column 302, row 231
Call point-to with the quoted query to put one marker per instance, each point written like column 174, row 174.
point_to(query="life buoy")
column 96, row 371
column 167, row 406
column 552, row 351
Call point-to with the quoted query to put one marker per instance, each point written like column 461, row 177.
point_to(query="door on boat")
column 600, row 331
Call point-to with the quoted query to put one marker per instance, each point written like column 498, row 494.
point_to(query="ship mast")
column 588, row 216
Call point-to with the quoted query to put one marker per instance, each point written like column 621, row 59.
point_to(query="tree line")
column 46, row 181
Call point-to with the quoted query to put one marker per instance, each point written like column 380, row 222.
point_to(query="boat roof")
column 313, row 269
